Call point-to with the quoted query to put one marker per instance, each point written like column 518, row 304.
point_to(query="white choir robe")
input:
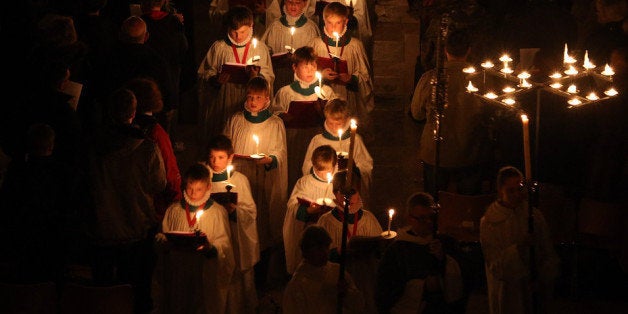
column 242, row 293
column 277, row 36
column 273, row 12
column 217, row 105
column 361, row 156
column 360, row 102
column 308, row 187
column 193, row 283
column 361, row 13
column 507, row 275
column 313, row 290
column 296, row 138
column 363, row 270
column 268, row 187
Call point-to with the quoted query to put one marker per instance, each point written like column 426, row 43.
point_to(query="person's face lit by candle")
column 294, row 8
column 355, row 202
column 321, row 169
column 512, row 191
column 335, row 23
column 305, row 71
column 218, row 160
column 334, row 122
column 196, row 190
column 240, row 34
column 257, row 100
column 421, row 220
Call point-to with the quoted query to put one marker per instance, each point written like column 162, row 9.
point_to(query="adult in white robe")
column 219, row 103
column 309, row 187
column 193, row 283
column 362, row 158
column 245, row 241
column 359, row 91
column 502, row 230
column 269, row 183
column 298, row 90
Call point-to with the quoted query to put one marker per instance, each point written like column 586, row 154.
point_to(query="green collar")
column 329, row 136
column 344, row 40
column 259, row 118
column 299, row 22
column 296, row 86
column 219, row 177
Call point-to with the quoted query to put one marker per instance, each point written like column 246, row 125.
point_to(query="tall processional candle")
column 526, row 147
column 351, row 162
column 391, row 212
column 256, row 140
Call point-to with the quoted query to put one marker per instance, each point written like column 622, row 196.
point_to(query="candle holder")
column 389, row 234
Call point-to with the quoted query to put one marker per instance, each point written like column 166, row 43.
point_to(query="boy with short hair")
column 265, row 161
column 356, row 85
column 219, row 97
column 201, row 281
column 242, row 220
column 337, row 116
column 313, row 186
column 301, row 89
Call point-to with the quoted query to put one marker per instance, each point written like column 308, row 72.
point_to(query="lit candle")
column 256, row 140
column 354, row 127
column 572, row 89
column 592, row 96
column 509, row 101
column 337, row 36
column 524, row 75
column 471, row 88
column 487, row 64
column 198, row 215
column 526, row 147
column 490, row 95
column 391, row 212
column 610, row 92
column 556, row 85
column 319, row 76
column 608, row 71
column 330, row 177
column 567, row 59
column 587, row 64
column 292, row 29
column 340, row 141
column 505, row 59
column 508, row 89
column 507, row 70
column 525, row 84
column 469, row 70
column 556, row 75
column 571, row 71
column 229, row 169
column 574, row 101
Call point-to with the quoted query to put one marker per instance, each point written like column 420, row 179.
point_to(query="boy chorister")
column 258, row 133
column 242, row 220
column 356, row 85
column 314, row 186
column 219, row 97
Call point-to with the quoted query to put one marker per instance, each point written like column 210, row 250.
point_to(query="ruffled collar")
column 289, row 21
column 331, row 40
column 230, row 41
column 258, row 117
column 195, row 205
column 329, row 134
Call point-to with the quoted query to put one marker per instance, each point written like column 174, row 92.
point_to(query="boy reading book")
column 261, row 137
column 337, row 121
column 236, row 192
column 292, row 29
column 219, row 96
column 311, row 196
column 195, row 282
column 301, row 108
column 355, row 86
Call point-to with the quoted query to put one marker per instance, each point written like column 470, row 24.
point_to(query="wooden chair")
column 77, row 299
column 40, row 298
column 460, row 215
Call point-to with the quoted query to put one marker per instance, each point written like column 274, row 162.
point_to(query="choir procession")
column 310, row 156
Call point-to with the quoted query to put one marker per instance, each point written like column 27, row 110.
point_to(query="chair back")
column 77, row 299
column 40, row 298
column 460, row 215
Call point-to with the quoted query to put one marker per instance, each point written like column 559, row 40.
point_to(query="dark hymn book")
column 238, row 73
column 304, row 114
column 281, row 60
column 225, row 198
column 335, row 64
column 324, row 207
column 186, row 240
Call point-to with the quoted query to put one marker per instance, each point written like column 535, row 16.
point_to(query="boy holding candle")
column 301, row 89
column 242, row 220
column 316, row 187
column 218, row 95
column 337, row 122
column 356, row 85
column 194, row 282
column 267, row 173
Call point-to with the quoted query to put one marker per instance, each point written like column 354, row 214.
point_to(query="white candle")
column 330, row 177
column 340, row 140
column 320, row 79
column 256, row 140
column 391, row 212
column 525, row 84
column 610, row 92
column 469, row 70
column 199, row 213
column 587, row 64
column 292, row 29
column 337, row 36
column 526, row 147
column 567, row 59
column 487, row 64
column 229, row 169
column 471, row 88
column 556, row 75
column 556, row 85
column 608, row 71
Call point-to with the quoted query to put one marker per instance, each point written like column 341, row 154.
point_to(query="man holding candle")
column 242, row 221
column 420, row 270
column 315, row 188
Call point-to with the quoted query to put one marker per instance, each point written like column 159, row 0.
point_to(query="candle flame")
column 505, row 58
column 229, row 169
column 330, row 177
column 556, row 85
column 608, row 71
column 487, row 65
column 336, row 35
column 199, row 213
column 292, row 29
column 565, row 54
column 572, row 89
column 509, row 101
column 525, row 84
column 587, row 64
column 508, row 89
column 556, row 75
column 592, row 96
column 507, row 70
column 469, row 70
column 340, row 134
column 391, row 212
column 574, row 101
column 571, row 71
column 254, row 41
column 524, row 118
column 471, row 88
column 523, row 75
column 611, row 92
column 354, row 125
column 318, row 75
column 256, row 139
column 490, row 95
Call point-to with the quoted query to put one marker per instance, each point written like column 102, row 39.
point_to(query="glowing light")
column 571, row 71
column 611, row 92
column 592, row 96
column 471, row 88
column 469, row 70
column 509, row 101
column 508, row 89
column 608, row 71
column 490, row 95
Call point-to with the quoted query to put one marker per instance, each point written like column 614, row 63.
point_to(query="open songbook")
column 238, row 73
column 327, row 203
column 281, row 60
column 225, row 198
column 186, row 240
column 304, row 114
